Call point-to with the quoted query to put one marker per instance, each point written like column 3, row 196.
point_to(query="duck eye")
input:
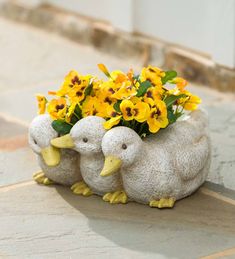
column 124, row 146
column 85, row 140
column 35, row 142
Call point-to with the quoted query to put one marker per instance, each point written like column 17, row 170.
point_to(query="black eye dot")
column 35, row 142
column 124, row 146
column 85, row 140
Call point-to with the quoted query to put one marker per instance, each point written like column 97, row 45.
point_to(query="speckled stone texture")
column 67, row 171
column 170, row 164
column 91, row 156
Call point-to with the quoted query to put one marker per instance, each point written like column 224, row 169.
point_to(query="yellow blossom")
column 138, row 111
column 190, row 102
column 152, row 74
column 180, row 83
column 104, row 69
column 73, row 80
column 112, row 122
column 57, row 108
column 157, row 117
column 41, row 103
column 92, row 106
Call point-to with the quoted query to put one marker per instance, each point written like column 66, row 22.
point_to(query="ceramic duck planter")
column 58, row 166
column 86, row 137
column 164, row 167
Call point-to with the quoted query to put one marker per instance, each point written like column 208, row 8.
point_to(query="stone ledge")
column 193, row 66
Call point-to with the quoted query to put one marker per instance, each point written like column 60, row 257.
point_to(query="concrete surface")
column 51, row 222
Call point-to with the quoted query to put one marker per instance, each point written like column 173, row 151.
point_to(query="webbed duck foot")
column 81, row 188
column 116, row 197
column 40, row 178
column 162, row 203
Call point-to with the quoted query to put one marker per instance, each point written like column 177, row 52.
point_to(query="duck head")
column 121, row 147
column 85, row 136
column 40, row 135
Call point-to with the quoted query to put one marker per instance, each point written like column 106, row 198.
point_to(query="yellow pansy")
column 190, row 102
column 92, row 106
column 138, row 111
column 157, row 117
column 70, row 112
column 104, row 69
column 57, row 108
column 152, row 74
column 112, row 122
column 127, row 90
column 77, row 93
column 180, row 82
column 41, row 103
column 73, row 80
column 155, row 93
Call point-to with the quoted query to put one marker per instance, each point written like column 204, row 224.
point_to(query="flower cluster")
column 146, row 102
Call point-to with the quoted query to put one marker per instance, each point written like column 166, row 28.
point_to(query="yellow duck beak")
column 63, row 142
column 111, row 165
column 51, row 155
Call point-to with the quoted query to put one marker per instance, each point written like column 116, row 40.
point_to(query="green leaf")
column 143, row 88
column 88, row 89
column 169, row 75
column 61, row 127
column 170, row 100
column 171, row 115
column 78, row 111
column 116, row 106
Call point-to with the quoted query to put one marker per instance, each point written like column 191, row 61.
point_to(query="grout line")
column 217, row 195
column 227, row 252
column 16, row 186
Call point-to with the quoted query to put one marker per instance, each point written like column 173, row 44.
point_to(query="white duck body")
column 170, row 164
column 86, row 136
column 65, row 171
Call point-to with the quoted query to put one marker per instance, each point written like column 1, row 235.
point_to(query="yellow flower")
column 93, row 106
column 73, row 80
column 41, row 103
column 155, row 93
column 152, row 74
column 57, row 108
column 180, row 83
column 127, row 90
column 158, row 117
column 70, row 112
column 190, row 102
column 104, row 69
column 112, row 122
column 138, row 111
column 77, row 93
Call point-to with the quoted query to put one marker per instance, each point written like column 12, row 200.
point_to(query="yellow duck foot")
column 116, row 197
column 162, row 203
column 81, row 188
column 40, row 178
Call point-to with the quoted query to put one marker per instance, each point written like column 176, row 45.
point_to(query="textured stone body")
column 91, row 156
column 170, row 164
column 40, row 134
column 66, row 172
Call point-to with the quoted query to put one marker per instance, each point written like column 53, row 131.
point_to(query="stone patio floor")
column 50, row 222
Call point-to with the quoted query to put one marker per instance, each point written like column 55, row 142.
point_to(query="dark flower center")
column 107, row 100
column 76, row 80
column 59, row 107
column 128, row 111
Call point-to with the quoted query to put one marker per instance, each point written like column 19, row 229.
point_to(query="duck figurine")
column 57, row 166
column 161, row 168
column 85, row 137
